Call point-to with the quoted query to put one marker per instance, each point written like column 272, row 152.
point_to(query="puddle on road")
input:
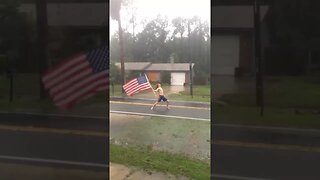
column 166, row 134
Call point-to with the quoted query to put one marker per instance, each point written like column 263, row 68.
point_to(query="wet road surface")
column 238, row 152
column 187, row 110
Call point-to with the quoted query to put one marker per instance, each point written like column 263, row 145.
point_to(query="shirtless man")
column 161, row 97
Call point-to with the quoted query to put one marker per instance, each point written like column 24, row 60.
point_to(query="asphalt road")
column 265, row 153
column 54, row 141
column 77, row 151
column 239, row 162
column 238, row 152
column 184, row 110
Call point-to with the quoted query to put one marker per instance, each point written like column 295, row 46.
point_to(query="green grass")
column 200, row 93
column 289, row 102
column 279, row 117
column 116, row 90
column 145, row 158
column 282, row 92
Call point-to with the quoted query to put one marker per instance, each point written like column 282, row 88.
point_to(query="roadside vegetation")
column 201, row 93
column 146, row 159
column 289, row 102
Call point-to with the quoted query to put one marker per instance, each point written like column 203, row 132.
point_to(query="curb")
column 148, row 99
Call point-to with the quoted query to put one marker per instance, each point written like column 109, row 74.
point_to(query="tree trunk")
column 121, row 54
column 42, row 24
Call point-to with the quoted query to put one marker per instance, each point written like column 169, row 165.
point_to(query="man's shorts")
column 164, row 99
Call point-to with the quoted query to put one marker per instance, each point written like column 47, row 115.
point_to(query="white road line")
column 214, row 124
column 53, row 161
column 145, row 104
column 159, row 115
column 148, row 99
column 222, row 176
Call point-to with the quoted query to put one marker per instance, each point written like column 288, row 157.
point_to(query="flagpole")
column 150, row 85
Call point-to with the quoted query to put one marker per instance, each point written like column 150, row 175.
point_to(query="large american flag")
column 136, row 85
column 78, row 77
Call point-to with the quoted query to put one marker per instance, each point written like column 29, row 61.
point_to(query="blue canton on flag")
column 142, row 79
column 99, row 59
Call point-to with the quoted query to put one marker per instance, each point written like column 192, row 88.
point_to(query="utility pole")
column 258, row 59
column 115, row 14
column 42, row 25
column 121, row 54
column 191, row 79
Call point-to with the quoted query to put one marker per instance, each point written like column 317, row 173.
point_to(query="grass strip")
column 145, row 158
column 280, row 117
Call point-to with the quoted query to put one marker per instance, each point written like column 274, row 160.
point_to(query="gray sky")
column 149, row 9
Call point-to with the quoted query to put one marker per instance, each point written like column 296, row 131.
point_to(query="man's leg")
column 154, row 105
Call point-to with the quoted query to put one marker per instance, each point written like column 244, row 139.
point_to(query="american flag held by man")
column 142, row 83
column 136, row 85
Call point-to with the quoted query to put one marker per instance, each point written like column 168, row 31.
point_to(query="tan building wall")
column 153, row 76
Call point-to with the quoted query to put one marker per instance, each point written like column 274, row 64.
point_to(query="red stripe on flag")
column 80, row 85
column 70, row 81
column 81, row 92
column 133, row 86
column 74, row 80
column 67, row 73
column 64, row 64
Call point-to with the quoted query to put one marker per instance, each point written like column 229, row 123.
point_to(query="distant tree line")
column 293, row 28
column 183, row 40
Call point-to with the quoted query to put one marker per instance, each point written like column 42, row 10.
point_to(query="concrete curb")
column 215, row 101
column 149, row 99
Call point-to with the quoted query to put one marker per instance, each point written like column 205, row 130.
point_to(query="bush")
column 165, row 77
column 200, row 78
column 115, row 74
column 133, row 74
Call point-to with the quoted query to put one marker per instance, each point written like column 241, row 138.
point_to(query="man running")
column 161, row 96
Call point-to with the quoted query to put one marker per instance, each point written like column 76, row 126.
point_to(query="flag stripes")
column 78, row 78
column 136, row 85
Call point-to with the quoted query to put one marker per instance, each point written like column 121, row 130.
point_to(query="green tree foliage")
column 128, row 47
column 187, row 40
column 17, row 35
column 115, row 76
column 293, row 28
column 293, row 22
column 166, row 77
column 151, row 42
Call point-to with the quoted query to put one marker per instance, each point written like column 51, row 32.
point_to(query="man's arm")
column 155, row 90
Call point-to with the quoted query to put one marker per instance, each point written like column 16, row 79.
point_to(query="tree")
column 115, row 76
column 17, row 36
column 151, row 42
column 115, row 14
column 155, row 44
column 180, row 26
column 128, row 47
column 295, row 25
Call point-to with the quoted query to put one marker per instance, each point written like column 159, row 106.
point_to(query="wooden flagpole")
column 150, row 85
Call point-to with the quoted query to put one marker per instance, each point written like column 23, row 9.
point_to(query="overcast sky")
column 149, row 9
